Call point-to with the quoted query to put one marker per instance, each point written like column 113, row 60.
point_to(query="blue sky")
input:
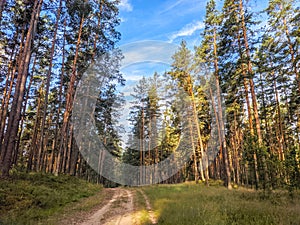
column 168, row 21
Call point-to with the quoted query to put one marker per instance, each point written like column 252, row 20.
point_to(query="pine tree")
column 207, row 54
column 8, row 146
column 181, row 72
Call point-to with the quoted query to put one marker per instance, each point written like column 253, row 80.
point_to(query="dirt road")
column 119, row 209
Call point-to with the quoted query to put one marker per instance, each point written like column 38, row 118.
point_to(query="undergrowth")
column 33, row 197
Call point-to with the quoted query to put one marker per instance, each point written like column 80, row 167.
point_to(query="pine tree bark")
column 196, row 176
column 55, row 145
column 32, row 157
column 9, row 86
column 252, row 90
column 220, row 115
column 11, row 133
column 48, row 81
column 69, row 103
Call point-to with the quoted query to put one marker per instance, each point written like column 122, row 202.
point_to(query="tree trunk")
column 49, row 72
column 220, row 116
column 195, row 155
column 252, row 90
column 15, row 115
column 9, row 87
column 246, row 91
column 69, row 103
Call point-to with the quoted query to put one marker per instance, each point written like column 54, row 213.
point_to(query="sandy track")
column 123, row 213
column 118, row 210
column 98, row 216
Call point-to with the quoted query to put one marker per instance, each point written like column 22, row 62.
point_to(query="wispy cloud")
column 125, row 5
column 135, row 76
column 187, row 30
column 182, row 7
column 172, row 6
column 147, row 51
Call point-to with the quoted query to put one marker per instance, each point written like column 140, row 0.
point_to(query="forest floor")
column 37, row 198
column 44, row 199
column 122, row 206
column 192, row 204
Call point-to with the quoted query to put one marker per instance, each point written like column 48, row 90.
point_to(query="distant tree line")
column 242, row 79
column 242, row 82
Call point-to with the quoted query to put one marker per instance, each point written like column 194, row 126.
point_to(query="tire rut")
column 152, row 216
column 98, row 216
column 119, row 210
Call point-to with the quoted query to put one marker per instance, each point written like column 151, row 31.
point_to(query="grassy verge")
column 34, row 198
column 197, row 204
column 142, row 214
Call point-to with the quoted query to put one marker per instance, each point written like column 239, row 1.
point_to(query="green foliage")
column 30, row 198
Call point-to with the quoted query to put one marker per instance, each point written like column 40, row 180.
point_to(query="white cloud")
column 187, row 30
column 123, row 19
column 134, row 76
column 147, row 51
column 172, row 6
column 182, row 7
column 125, row 5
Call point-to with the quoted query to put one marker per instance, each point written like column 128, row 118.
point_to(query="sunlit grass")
column 141, row 214
column 196, row 204
column 33, row 198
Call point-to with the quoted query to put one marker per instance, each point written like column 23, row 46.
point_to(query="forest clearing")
column 41, row 199
column 149, row 112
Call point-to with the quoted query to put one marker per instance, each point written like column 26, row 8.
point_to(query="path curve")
column 98, row 216
column 118, row 210
column 124, row 211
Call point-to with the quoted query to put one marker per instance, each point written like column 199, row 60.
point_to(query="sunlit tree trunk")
column 16, row 108
column 69, row 103
column 252, row 90
column 220, row 113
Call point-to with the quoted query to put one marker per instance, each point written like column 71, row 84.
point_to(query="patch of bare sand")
column 117, row 209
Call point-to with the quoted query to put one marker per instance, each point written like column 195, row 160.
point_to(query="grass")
column 140, row 207
column 196, row 204
column 34, row 198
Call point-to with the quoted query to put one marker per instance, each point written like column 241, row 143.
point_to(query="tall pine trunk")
column 252, row 91
column 220, row 116
column 48, row 80
column 69, row 104
column 11, row 133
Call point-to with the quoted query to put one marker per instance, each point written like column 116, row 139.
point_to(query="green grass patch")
column 34, row 197
column 196, row 204
column 141, row 208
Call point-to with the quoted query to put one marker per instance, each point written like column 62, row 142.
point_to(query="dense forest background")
column 253, row 92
